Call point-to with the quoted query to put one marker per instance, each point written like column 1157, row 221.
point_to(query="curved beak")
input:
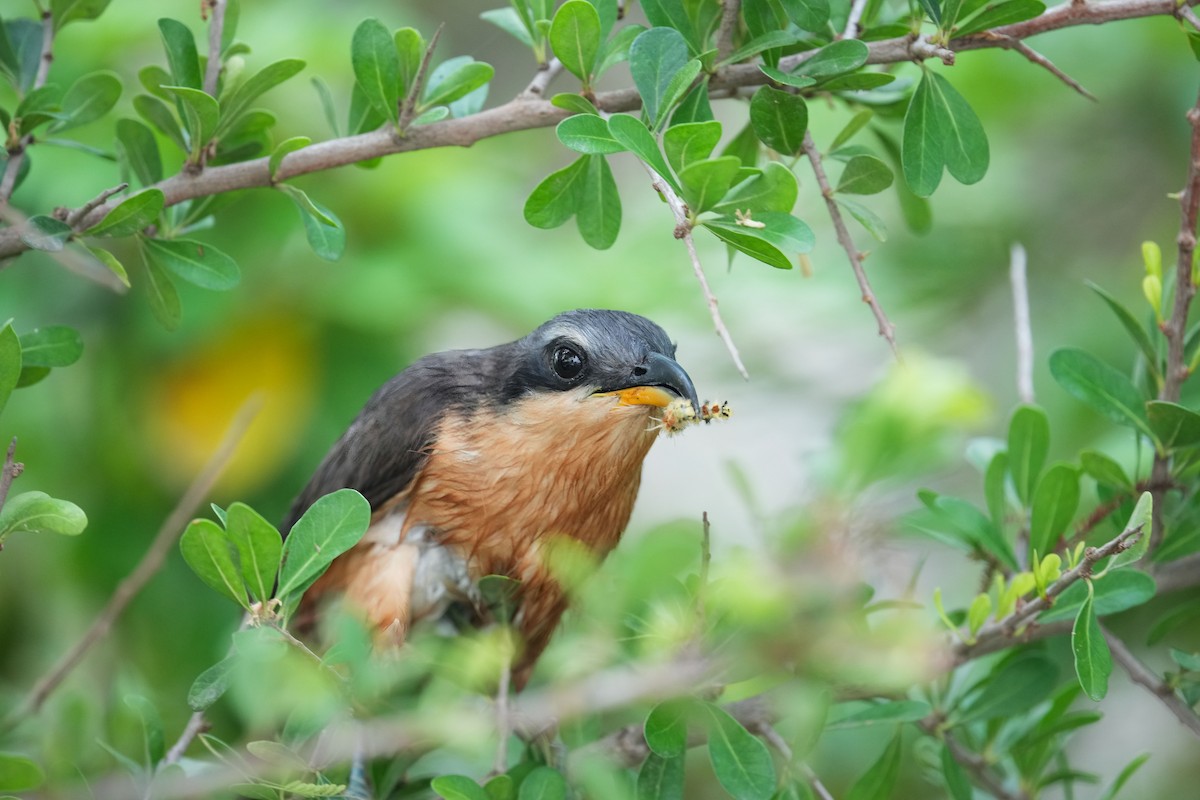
column 657, row 382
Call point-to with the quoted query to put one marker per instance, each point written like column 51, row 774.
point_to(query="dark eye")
column 567, row 363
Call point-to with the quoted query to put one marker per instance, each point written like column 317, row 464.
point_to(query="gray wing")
column 389, row 442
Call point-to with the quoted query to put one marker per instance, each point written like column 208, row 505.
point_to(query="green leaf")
column 509, row 21
column 1001, row 14
column 153, row 78
column 740, row 761
column 933, row 9
column 629, row 131
column 457, row 787
column 1028, row 444
column 140, row 149
column 575, row 103
column 1016, row 686
column 957, row 783
column 857, row 82
column 52, row 346
column 691, row 141
column 1174, row 425
column 109, row 260
column 694, row 107
column 410, row 48
column 198, row 263
column 1135, row 329
column 922, row 150
column 19, row 773
column 964, row 143
column 501, row 787
column 855, row 714
column 556, row 199
column 65, row 12
column 1104, row 470
column 588, row 134
column 432, row 115
column 654, row 58
column 201, row 115
column 283, row 149
column 465, row 78
column 1093, row 661
column 1124, row 776
column 660, row 778
column 25, row 35
column 836, row 58
column 209, row 552
column 543, row 783
column 153, row 743
column 377, row 67
column 259, row 548
column 88, row 99
column 324, row 230
column 45, row 233
column 666, row 730
column 1141, row 517
column 181, row 53
column 235, row 102
column 38, row 512
column 680, row 84
column 575, row 38
column 779, row 120
column 131, row 215
column 856, row 124
column 782, row 235
column 330, row 527
column 774, row 189
column 210, row 684
column 1103, row 388
column 162, row 295
column 1185, row 660
column 598, row 214
column 865, row 217
column 617, row 48
column 1115, row 592
column 758, row 44
column 865, row 175
column 155, row 112
column 877, row 782
column 706, row 182
column 809, row 15
column 1054, row 504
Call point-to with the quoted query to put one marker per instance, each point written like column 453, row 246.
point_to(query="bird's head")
column 601, row 353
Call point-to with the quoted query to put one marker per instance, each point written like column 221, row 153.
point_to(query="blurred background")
column 439, row 256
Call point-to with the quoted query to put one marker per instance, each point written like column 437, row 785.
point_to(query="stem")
column 216, row 30
column 1020, row 289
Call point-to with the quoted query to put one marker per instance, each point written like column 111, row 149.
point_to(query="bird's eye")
column 567, row 363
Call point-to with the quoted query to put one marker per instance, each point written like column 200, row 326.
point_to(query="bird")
column 475, row 461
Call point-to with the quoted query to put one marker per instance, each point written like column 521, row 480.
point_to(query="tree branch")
column 216, row 30
column 856, row 12
column 730, row 12
column 1020, row 290
column 978, row 767
column 683, row 230
column 1004, row 633
column 74, row 217
column 542, row 80
column 151, row 562
column 1142, row 675
column 1017, row 46
column 886, row 329
column 16, row 155
column 524, row 114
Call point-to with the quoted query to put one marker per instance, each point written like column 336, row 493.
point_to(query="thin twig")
column 216, row 30
column 1185, row 13
column 1008, row 629
column 923, row 48
column 683, row 230
column 196, row 725
column 151, row 562
column 886, row 329
column 1142, row 675
column 12, row 471
column 976, row 765
column 73, row 218
column 856, row 12
column 1174, row 328
column 730, row 12
column 1020, row 290
column 409, row 103
column 16, row 155
column 815, row 784
column 503, row 717
column 541, row 81
column 1017, row 46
